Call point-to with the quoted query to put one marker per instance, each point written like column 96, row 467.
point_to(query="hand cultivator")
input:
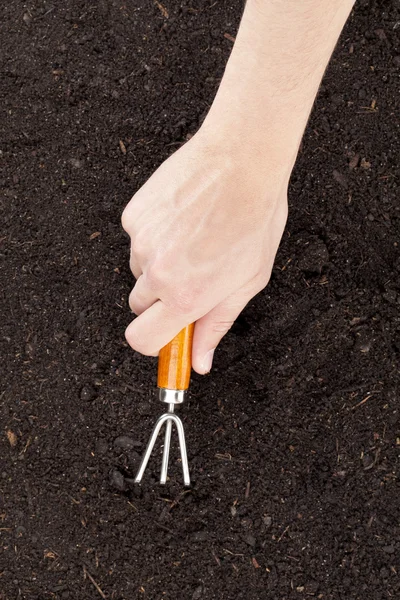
column 174, row 366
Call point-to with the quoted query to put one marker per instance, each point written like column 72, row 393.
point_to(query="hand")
column 204, row 230
column 206, row 226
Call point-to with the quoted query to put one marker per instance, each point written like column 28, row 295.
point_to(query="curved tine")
column 150, row 446
column 165, row 458
column 182, row 444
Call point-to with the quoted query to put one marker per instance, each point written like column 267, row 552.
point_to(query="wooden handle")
column 175, row 361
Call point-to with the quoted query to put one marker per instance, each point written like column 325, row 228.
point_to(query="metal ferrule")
column 172, row 396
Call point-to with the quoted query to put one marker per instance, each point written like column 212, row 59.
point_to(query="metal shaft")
column 167, row 445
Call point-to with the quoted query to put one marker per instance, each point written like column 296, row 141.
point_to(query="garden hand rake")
column 174, row 365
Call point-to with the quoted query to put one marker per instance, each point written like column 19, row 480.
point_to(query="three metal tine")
column 172, row 397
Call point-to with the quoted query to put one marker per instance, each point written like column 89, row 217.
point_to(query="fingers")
column 157, row 325
column 211, row 328
column 141, row 297
column 154, row 328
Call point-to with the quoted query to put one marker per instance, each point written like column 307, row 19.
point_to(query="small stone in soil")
column 198, row 592
column 390, row 296
column 76, row 163
column 117, row 480
column 27, row 19
column 340, row 178
column 384, row 573
column 88, row 393
column 267, row 520
column 353, row 162
column 315, row 257
column 250, row 540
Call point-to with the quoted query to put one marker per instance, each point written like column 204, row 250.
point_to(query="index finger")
column 155, row 328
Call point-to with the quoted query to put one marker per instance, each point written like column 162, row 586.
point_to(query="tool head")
column 168, row 418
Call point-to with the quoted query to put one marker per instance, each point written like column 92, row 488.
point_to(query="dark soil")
column 293, row 438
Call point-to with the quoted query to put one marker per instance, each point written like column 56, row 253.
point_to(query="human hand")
column 204, row 231
column 206, row 226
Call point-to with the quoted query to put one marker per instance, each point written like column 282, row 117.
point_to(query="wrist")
column 264, row 141
column 230, row 153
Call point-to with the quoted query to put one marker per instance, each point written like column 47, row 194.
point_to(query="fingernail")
column 207, row 361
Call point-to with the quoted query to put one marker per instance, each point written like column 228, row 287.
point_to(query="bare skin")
column 205, row 228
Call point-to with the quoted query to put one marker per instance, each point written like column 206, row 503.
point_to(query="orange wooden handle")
column 175, row 361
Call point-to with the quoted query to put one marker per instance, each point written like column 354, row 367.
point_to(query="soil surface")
column 293, row 438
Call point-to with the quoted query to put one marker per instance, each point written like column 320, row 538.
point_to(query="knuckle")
column 184, row 301
column 126, row 219
column 124, row 222
column 155, row 276
column 138, row 246
column 130, row 213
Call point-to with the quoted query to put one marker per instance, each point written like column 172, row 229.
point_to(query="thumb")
column 210, row 329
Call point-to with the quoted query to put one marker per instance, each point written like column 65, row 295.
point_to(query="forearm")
column 273, row 74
